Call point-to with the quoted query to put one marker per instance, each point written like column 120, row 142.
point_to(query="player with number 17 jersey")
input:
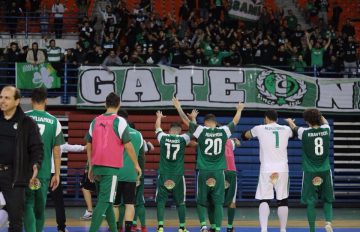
column 172, row 151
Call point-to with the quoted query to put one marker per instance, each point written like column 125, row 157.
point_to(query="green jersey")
column 211, row 145
column 127, row 172
column 317, row 55
column 172, row 151
column 51, row 134
column 316, row 148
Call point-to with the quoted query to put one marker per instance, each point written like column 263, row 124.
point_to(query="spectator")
column 282, row 57
column 79, row 54
column 12, row 14
column 317, row 52
column 264, row 20
column 291, row 21
column 23, row 54
column 44, row 21
column 112, row 60
column 299, row 65
column 55, row 55
column 348, row 29
column 349, row 56
column 34, row 55
column 58, row 10
column 12, row 53
column 217, row 56
column 311, row 12
column 234, row 59
column 152, row 56
column 267, row 52
column 337, row 10
column 96, row 57
column 247, row 53
column 322, row 6
column 87, row 32
column 297, row 36
column 333, row 69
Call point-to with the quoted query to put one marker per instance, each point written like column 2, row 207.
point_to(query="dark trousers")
column 58, row 26
column 57, row 197
column 15, row 200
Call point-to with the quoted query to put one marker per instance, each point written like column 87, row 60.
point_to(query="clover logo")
column 43, row 78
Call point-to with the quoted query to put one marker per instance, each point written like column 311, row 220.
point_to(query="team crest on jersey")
column 274, row 177
column 280, row 89
column 15, row 126
column 227, row 184
column 317, row 181
column 169, row 184
column 211, row 182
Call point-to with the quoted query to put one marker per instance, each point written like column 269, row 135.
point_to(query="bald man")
column 20, row 154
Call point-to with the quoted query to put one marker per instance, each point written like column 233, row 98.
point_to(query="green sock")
column 218, row 215
column 202, row 214
column 160, row 208
column 328, row 211
column 140, row 209
column 120, row 222
column 311, row 215
column 160, row 224
column 181, row 213
column 98, row 215
column 211, row 216
column 231, row 216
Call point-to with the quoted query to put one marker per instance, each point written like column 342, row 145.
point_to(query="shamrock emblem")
column 43, row 77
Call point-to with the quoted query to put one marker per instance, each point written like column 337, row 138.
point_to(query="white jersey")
column 273, row 139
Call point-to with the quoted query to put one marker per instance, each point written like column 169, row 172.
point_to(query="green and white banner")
column 30, row 76
column 248, row 10
column 216, row 87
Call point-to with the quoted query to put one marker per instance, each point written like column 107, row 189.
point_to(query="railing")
column 69, row 74
column 37, row 23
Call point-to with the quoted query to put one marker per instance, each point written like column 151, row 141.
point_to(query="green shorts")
column 210, row 187
column 230, row 187
column 106, row 187
column 317, row 185
column 139, row 194
column 170, row 184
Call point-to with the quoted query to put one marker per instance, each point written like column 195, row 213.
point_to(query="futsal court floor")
column 246, row 220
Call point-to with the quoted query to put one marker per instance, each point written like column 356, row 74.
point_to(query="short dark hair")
column 39, row 95
column 271, row 114
column 123, row 113
column 210, row 117
column 112, row 100
column 312, row 116
column 175, row 125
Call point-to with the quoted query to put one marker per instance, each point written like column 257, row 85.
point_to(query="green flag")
column 30, row 76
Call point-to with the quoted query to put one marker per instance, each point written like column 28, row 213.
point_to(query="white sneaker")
column 204, row 229
column 87, row 216
column 328, row 227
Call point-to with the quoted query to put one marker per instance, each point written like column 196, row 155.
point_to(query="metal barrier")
column 69, row 78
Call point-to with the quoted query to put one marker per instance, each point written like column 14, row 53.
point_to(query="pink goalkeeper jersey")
column 107, row 147
column 229, row 155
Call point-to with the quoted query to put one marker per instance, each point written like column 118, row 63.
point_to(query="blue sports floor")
column 196, row 229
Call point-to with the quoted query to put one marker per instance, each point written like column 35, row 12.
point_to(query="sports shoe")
column 328, row 227
column 133, row 228
column 64, row 230
column 160, row 229
column 204, row 229
column 120, row 229
column 182, row 230
column 87, row 216
column 143, row 229
column 230, row 229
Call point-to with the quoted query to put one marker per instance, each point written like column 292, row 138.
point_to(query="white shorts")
column 266, row 186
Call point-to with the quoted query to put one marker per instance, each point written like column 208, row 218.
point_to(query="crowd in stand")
column 207, row 35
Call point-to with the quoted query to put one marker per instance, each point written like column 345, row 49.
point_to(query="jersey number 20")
column 213, row 144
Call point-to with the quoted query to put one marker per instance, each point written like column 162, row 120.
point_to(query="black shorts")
column 125, row 193
column 86, row 183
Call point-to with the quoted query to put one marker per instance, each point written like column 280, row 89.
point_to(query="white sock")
column 3, row 218
column 264, row 212
column 283, row 212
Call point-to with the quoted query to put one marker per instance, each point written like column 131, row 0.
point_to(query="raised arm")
column 193, row 115
column 182, row 115
column 324, row 121
column 159, row 116
column 308, row 40
column 327, row 43
column 291, row 123
column 237, row 116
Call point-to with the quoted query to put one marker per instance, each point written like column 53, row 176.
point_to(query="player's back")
column 273, row 140
column 172, row 151
column 211, row 148
column 316, row 148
